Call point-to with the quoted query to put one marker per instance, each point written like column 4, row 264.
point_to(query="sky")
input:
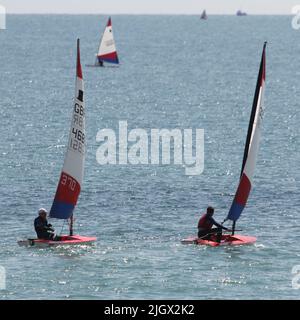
column 149, row 6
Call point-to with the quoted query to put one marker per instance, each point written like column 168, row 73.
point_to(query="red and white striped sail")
column 107, row 49
column 252, row 145
column 71, row 178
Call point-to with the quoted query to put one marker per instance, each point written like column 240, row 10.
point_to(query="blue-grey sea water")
column 175, row 72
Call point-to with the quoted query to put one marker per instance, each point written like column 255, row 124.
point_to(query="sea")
column 175, row 71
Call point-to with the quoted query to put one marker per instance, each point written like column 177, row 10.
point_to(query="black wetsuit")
column 205, row 230
column 43, row 229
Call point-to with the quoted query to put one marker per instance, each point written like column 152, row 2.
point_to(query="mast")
column 71, row 225
column 80, row 98
column 233, row 228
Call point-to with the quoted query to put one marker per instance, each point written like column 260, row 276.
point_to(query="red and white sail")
column 251, row 146
column 107, row 49
column 71, row 178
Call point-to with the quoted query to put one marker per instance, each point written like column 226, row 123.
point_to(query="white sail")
column 71, row 178
column 251, row 146
column 107, row 51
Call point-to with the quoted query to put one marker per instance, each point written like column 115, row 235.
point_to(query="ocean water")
column 176, row 72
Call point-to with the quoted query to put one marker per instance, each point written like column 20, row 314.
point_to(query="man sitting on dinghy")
column 205, row 226
column 43, row 229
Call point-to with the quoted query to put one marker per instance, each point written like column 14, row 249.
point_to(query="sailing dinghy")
column 203, row 15
column 107, row 52
column 248, row 166
column 71, row 177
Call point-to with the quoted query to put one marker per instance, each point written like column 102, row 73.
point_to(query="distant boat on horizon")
column 240, row 13
column 203, row 15
column 107, row 51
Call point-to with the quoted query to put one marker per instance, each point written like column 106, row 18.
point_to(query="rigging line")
column 62, row 228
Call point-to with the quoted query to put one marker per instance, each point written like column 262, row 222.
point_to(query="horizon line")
column 148, row 14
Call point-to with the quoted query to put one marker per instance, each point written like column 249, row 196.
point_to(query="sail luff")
column 254, row 107
column 78, row 62
column 100, row 42
column 71, row 177
column 251, row 147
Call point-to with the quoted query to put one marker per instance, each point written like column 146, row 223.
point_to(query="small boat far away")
column 107, row 51
column 240, row 13
column 203, row 15
column 248, row 166
column 71, row 178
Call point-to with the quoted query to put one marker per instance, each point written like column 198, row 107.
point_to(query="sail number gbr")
column 78, row 116
column 77, row 136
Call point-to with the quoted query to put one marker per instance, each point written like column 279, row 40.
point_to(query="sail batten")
column 107, row 51
column 251, row 146
column 71, row 177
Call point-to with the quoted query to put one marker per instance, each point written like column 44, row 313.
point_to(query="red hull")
column 66, row 240
column 226, row 240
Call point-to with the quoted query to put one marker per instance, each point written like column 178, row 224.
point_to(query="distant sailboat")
column 248, row 165
column 203, row 15
column 107, row 51
column 241, row 13
column 71, row 178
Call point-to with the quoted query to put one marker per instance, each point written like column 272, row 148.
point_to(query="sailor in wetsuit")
column 205, row 226
column 43, row 229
